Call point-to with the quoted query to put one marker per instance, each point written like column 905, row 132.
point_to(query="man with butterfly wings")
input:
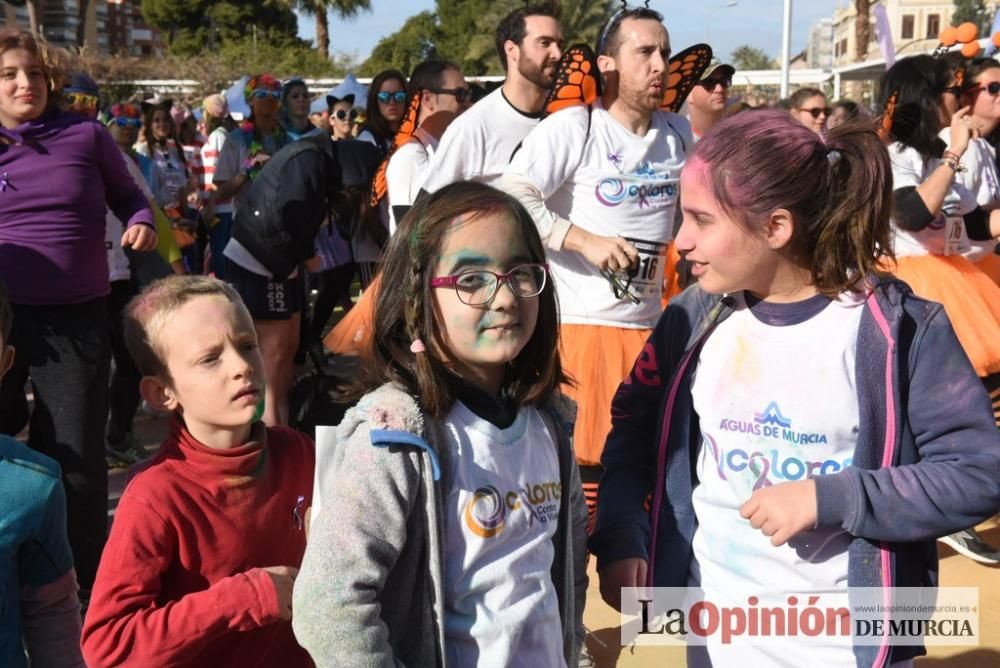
column 601, row 178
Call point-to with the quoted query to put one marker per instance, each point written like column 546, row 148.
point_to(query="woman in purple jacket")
column 58, row 175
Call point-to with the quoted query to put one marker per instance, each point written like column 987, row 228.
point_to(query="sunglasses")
column 954, row 90
column 385, row 96
column 343, row 114
column 261, row 94
column 710, row 84
column 461, row 94
column 83, row 99
column 123, row 122
column 993, row 88
column 816, row 111
column 620, row 286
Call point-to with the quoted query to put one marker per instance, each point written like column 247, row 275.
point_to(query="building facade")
column 915, row 26
column 128, row 32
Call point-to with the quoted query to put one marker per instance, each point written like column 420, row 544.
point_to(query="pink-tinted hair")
column 838, row 189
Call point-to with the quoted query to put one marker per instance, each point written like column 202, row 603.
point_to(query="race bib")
column 647, row 276
column 955, row 242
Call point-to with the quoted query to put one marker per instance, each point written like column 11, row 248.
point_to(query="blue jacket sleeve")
column 629, row 459
column 956, row 482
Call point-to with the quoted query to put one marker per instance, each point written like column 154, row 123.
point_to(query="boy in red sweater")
column 207, row 540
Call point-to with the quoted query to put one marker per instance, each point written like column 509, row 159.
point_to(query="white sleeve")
column 552, row 228
column 406, row 172
column 548, row 157
column 459, row 156
column 907, row 166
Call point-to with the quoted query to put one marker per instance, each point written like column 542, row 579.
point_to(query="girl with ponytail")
column 449, row 510
column 797, row 421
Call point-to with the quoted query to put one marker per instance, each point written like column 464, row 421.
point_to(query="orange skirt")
column 970, row 298
column 990, row 265
column 599, row 358
column 671, row 284
column 353, row 334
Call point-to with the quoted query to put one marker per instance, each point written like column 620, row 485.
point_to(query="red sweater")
column 181, row 580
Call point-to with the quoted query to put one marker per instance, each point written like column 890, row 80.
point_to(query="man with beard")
column 480, row 143
column 601, row 182
column 707, row 101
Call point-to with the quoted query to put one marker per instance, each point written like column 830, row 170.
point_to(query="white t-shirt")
column 407, row 170
column 479, row 144
column 776, row 396
column 610, row 182
column 501, row 511
column 210, row 153
column 118, row 266
column 946, row 235
column 980, row 177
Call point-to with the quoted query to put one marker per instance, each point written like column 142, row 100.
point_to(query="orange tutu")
column 970, row 298
column 353, row 334
column 671, row 286
column 599, row 358
column 990, row 265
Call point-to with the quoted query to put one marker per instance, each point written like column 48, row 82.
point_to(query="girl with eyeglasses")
column 461, row 439
column 809, row 108
column 935, row 214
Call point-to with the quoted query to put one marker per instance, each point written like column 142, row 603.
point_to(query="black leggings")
column 123, row 395
column 64, row 350
column 333, row 287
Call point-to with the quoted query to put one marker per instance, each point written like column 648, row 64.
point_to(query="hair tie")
column 833, row 156
column 417, row 347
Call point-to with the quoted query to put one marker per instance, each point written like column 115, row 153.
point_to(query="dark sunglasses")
column 123, row 122
column 816, row 111
column 398, row 96
column 993, row 88
column 261, row 94
column 620, row 286
column 710, row 84
column 343, row 114
column 461, row 94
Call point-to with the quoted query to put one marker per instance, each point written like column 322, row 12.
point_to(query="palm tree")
column 318, row 8
column 862, row 28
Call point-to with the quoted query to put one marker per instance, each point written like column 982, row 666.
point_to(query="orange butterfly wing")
column 380, row 187
column 577, row 80
column 684, row 71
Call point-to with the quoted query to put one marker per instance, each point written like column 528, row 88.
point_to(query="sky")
column 754, row 22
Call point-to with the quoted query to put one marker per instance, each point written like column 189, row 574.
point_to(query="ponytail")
column 838, row 189
column 853, row 238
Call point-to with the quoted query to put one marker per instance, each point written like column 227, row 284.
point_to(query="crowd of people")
column 574, row 329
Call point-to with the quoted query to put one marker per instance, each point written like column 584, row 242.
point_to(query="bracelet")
column 952, row 154
column 954, row 164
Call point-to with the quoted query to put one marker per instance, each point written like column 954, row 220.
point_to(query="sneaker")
column 968, row 543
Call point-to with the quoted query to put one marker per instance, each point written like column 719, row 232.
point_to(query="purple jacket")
column 58, row 176
column 927, row 462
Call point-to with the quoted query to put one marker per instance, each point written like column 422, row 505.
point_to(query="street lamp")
column 708, row 17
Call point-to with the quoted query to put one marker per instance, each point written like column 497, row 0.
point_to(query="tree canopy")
column 188, row 26
column 464, row 31
column 748, row 57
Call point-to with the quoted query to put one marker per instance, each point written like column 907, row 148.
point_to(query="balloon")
column 948, row 36
column 970, row 49
column 996, row 39
column 966, row 32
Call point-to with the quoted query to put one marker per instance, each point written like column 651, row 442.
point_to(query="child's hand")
column 284, row 580
column 629, row 572
column 782, row 511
